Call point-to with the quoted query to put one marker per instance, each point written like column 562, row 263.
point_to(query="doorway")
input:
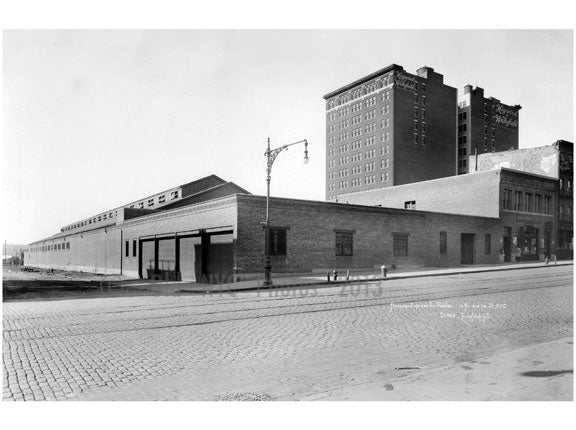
column 467, row 248
column 507, row 243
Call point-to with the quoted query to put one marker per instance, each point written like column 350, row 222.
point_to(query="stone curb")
column 350, row 281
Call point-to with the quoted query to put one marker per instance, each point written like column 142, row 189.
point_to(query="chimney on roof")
column 429, row 73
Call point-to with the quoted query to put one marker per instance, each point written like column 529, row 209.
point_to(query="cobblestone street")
column 277, row 344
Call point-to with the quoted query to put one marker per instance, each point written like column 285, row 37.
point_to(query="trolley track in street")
column 302, row 308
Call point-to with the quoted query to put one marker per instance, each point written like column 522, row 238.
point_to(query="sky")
column 94, row 119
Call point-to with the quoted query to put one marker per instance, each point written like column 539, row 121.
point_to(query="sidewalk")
column 317, row 280
column 536, row 372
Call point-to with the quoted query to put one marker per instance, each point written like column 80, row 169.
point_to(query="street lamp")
column 271, row 155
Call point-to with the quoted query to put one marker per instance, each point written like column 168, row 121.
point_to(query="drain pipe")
column 121, row 258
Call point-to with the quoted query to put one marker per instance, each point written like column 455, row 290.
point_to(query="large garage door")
column 188, row 247
column 166, row 255
column 220, row 259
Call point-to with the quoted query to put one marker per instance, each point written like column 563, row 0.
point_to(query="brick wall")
column 525, row 183
column 414, row 162
column 474, row 194
column 311, row 237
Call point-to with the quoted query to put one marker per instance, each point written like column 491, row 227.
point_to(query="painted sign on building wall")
column 505, row 116
column 405, row 82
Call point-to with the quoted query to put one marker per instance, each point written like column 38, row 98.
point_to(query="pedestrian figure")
column 348, row 275
column 384, row 270
column 328, row 275
column 335, row 273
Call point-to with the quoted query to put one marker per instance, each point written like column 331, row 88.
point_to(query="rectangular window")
column 528, row 202
column 487, row 244
column 278, row 241
column 517, row 200
column 344, row 243
column 538, row 203
column 400, row 245
column 506, row 199
column 67, row 245
column 547, row 205
column 162, row 199
column 127, row 250
column 150, row 202
column 410, row 204
column 443, row 242
column 133, row 248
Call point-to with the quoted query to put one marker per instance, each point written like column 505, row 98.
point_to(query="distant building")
column 389, row 128
column 484, row 125
column 554, row 160
column 525, row 203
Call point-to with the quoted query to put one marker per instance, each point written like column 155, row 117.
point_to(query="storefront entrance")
column 528, row 242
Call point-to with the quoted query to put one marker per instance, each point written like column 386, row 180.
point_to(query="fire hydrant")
column 335, row 273
column 384, row 270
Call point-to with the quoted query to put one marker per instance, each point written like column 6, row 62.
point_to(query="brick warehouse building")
column 213, row 240
column 554, row 160
column 389, row 128
column 524, row 203
column 484, row 125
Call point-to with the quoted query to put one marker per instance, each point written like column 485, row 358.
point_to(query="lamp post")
column 271, row 155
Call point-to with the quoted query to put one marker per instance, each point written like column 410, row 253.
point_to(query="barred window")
column 344, row 243
column 277, row 241
column 400, row 245
column 443, row 242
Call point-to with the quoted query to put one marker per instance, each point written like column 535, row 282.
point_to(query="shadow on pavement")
column 546, row 373
column 19, row 290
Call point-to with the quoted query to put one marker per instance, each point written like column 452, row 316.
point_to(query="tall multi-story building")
column 484, row 125
column 389, row 128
